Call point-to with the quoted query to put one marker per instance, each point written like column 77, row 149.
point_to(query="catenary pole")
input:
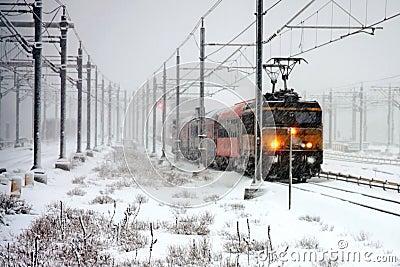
column 164, row 109
column 258, row 92
column 17, row 98
column 146, row 111
column 95, row 107
column 109, row 115
column 79, row 84
column 330, row 119
column 361, row 117
column 88, row 102
column 177, row 123
column 154, row 114
column 118, row 109
column 37, row 57
column 102, row 110
column 201, row 104
column 63, row 81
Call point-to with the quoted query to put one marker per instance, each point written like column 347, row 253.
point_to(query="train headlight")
column 311, row 160
column 302, row 145
column 309, row 145
column 274, row 144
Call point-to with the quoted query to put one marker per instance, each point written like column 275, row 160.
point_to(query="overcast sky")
column 130, row 39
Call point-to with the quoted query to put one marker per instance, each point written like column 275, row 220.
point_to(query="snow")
column 313, row 216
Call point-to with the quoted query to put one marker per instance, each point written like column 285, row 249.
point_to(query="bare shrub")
column 79, row 180
column 114, row 166
column 174, row 178
column 361, row 236
column 192, row 224
column 196, row 253
column 211, row 198
column 121, row 183
column 54, row 240
column 327, row 262
column 76, row 192
column 309, row 218
column 234, row 206
column 71, row 237
column 184, row 194
column 326, row 227
column 374, row 244
column 140, row 198
column 307, row 243
column 12, row 206
column 103, row 199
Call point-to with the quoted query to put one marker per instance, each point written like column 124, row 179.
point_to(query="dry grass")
column 76, row 192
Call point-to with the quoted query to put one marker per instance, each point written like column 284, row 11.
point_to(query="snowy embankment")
column 129, row 227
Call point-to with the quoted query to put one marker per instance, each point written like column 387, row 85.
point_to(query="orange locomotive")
column 232, row 131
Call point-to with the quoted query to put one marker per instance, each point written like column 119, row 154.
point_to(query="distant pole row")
column 358, row 103
column 38, row 64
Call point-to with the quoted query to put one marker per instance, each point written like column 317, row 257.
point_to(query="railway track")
column 355, row 192
column 362, row 159
column 388, row 202
column 370, row 182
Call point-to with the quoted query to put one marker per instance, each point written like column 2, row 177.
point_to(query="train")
column 228, row 140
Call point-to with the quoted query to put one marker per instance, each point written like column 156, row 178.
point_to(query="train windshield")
column 288, row 118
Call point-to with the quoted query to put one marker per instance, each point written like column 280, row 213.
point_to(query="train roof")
column 234, row 111
column 285, row 98
column 211, row 114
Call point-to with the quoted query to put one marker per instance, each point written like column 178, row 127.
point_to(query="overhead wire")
column 207, row 13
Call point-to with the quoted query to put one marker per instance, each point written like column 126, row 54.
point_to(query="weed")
column 76, row 192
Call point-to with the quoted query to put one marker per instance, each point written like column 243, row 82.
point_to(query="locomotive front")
column 284, row 115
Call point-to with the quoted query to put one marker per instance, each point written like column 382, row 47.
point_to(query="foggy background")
column 130, row 40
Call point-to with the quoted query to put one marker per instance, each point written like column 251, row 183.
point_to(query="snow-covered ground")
column 316, row 226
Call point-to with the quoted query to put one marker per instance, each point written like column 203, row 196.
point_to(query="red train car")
column 229, row 134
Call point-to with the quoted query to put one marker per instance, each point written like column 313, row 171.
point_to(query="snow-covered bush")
column 103, row 199
column 76, row 192
column 79, row 180
column 140, row 198
column 196, row 253
column 184, row 194
column 309, row 218
column 192, row 224
column 307, row 243
column 361, row 236
column 70, row 237
column 11, row 206
column 61, row 238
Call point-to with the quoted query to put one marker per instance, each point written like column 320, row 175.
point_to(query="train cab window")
column 298, row 118
column 306, row 117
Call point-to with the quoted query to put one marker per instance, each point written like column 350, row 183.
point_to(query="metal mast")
column 102, row 110
column 146, row 111
column 95, row 108
column 164, row 97
column 153, row 152
column 37, row 56
column 79, row 85
column 177, row 123
column 109, row 114
column 16, row 84
column 88, row 103
column 63, row 79
column 201, row 104
column 118, row 108
column 258, row 93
